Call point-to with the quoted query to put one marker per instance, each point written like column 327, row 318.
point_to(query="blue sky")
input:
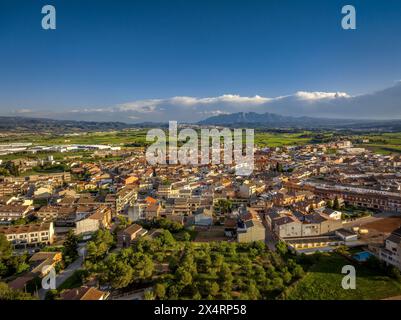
column 107, row 53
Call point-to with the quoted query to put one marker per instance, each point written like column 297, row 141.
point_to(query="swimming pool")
column 362, row 256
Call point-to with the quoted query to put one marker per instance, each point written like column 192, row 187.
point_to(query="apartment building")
column 361, row 197
column 11, row 212
column 290, row 225
column 125, row 197
column 30, row 234
column 391, row 252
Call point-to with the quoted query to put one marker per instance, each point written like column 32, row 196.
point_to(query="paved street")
column 270, row 240
column 63, row 275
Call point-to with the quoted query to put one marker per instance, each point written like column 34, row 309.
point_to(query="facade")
column 250, row 231
column 47, row 213
column 311, row 225
column 136, row 212
column 360, row 197
column 29, row 235
column 391, row 252
column 125, row 197
column 100, row 219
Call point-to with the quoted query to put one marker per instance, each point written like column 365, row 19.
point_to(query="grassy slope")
column 323, row 281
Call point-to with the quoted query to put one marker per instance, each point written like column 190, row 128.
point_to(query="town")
column 115, row 227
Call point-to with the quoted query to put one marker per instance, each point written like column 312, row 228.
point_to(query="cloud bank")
column 383, row 104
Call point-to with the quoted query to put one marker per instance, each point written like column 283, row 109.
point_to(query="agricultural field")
column 114, row 138
column 383, row 143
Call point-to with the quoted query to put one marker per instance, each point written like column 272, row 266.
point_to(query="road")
column 270, row 239
column 63, row 275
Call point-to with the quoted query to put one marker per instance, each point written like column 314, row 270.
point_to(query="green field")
column 267, row 139
column 383, row 143
column 114, row 138
column 323, row 281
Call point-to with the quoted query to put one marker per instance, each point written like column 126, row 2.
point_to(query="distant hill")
column 249, row 120
column 22, row 124
column 274, row 121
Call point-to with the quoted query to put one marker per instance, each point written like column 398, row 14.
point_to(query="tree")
column 186, row 236
column 9, row 263
column 5, row 248
column 282, row 248
column 160, row 290
column 166, row 239
column 214, row 289
column 119, row 274
column 100, row 245
column 395, row 273
column 225, row 206
column 12, row 168
column 184, row 277
column 336, row 204
column 149, row 295
column 143, row 267
column 71, row 246
column 6, row 293
column 252, row 291
column 122, row 222
column 330, row 204
column 298, row 272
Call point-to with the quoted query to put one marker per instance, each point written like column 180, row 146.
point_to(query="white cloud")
column 320, row 95
column 23, row 111
column 384, row 104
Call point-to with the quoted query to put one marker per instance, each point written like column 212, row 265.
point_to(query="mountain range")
column 240, row 119
column 273, row 121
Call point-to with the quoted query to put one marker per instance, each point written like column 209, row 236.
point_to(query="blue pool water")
column 362, row 256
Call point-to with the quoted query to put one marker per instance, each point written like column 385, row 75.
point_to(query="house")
column 247, row 189
column 20, row 283
column 128, row 235
column 41, row 262
column 100, row 219
column 287, row 224
column 250, row 228
column 332, row 214
column 43, row 192
column 84, row 293
column 230, row 227
column 346, row 235
column 130, row 180
column 152, row 211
